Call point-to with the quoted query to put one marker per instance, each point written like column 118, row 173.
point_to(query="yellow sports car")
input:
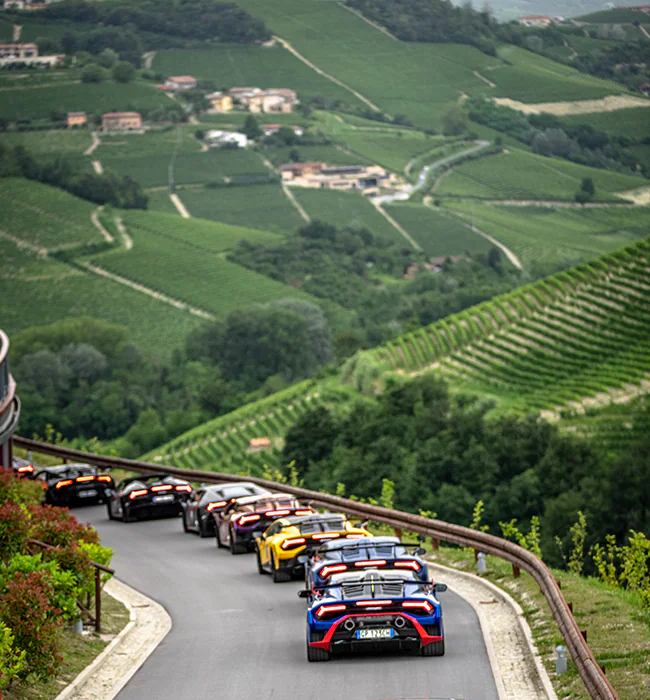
column 284, row 547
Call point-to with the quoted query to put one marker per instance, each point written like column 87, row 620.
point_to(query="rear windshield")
column 313, row 526
column 237, row 492
column 366, row 551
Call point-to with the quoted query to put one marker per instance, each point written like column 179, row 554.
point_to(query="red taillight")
column 65, row 482
column 326, row 536
column 275, row 513
column 370, row 562
column 422, row 605
column 108, row 479
column 372, row 603
column 219, row 504
column 407, row 565
column 328, row 609
column 185, row 488
column 245, row 519
column 136, row 494
column 304, row 512
column 166, row 487
column 295, row 542
column 85, row 478
column 355, row 537
column 24, row 470
column 328, row 570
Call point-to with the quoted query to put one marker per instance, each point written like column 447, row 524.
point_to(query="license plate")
column 163, row 499
column 386, row 633
column 88, row 493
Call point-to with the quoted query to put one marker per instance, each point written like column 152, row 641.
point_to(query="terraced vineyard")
column 580, row 333
column 223, row 443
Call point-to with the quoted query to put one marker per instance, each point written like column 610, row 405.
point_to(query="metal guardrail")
column 593, row 677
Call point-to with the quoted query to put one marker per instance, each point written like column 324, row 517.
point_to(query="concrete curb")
column 148, row 625
column 542, row 674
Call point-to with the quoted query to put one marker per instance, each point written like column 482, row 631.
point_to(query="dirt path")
column 642, row 28
column 484, row 79
column 96, row 141
column 97, row 167
column 149, row 292
column 94, row 217
column 126, row 238
column 314, row 67
column 39, row 250
column 176, row 201
column 296, row 204
column 383, row 30
column 607, row 104
column 400, row 228
column 17, row 29
column 640, row 197
column 147, row 59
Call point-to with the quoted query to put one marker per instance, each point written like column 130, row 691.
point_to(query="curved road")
column 236, row 635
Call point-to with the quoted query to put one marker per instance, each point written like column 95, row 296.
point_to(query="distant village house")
column 270, row 129
column 76, row 119
column 180, row 83
column 220, row 102
column 257, row 101
column 25, row 4
column 535, row 21
column 258, row 444
column 216, row 139
column 121, row 121
column 368, row 179
column 26, row 53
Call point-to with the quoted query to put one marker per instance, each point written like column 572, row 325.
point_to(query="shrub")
column 12, row 660
column 18, row 490
column 36, row 624
column 56, row 527
column 14, row 529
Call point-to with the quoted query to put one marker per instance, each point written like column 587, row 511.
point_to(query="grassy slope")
column 392, row 150
column 326, row 154
column 631, row 123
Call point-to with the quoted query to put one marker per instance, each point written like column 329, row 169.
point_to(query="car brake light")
column 65, row 482
column 372, row 603
column 355, row 537
column 407, row 565
column 135, row 494
column 326, row 609
column 245, row 519
column 105, row 478
column 328, row 570
column 28, row 468
column 186, row 488
column 295, row 542
column 165, row 487
column 85, row 478
column 304, row 512
column 370, row 562
column 326, row 536
column 274, row 513
column 423, row 605
column 218, row 504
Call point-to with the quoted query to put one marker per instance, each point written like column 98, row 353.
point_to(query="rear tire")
column 185, row 528
column 434, row 649
column 313, row 653
column 236, row 548
column 110, row 511
column 260, row 569
column 280, row 576
column 126, row 516
column 220, row 545
column 202, row 530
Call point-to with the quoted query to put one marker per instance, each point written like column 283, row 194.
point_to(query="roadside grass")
column 633, row 123
column 262, row 206
column 560, row 236
column 326, row 154
column 159, row 201
column 44, row 291
column 45, row 216
column 233, row 65
column 526, row 176
column 438, row 233
column 346, row 209
column 97, row 98
column 191, row 274
column 78, row 652
column 618, row 629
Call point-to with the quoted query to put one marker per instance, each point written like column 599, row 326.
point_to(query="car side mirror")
column 420, row 551
column 304, row 594
column 439, row 587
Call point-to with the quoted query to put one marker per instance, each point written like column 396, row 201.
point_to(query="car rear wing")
column 437, row 587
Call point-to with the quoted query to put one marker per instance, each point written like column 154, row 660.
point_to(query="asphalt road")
column 238, row 636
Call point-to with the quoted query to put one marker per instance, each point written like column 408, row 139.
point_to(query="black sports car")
column 74, row 484
column 22, row 467
column 156, row 495
column 199, row 509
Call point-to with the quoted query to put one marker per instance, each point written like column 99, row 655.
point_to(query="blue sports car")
column 372, row 609
column 382, row 553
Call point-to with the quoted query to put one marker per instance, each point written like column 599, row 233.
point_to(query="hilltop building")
column 121, row 121
column 217, row 138
column 368, row 179
column 76, row 119
column 535, row 21
column 180, row 83
column 220, row 102
column 257, row 101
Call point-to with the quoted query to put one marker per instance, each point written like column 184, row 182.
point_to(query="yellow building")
column 220, row 102
column 76, row 119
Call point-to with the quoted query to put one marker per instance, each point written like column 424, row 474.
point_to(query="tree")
column 107, row 58
column 93, row 73
column 123, row 72
column 47, row 46
column 454, row 121
column 252, row 128
column 310, row 439
column 588, row 186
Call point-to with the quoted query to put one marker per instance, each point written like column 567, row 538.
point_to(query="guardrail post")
column 584, row 634
column 516, row 572
column 398, row 533
column 435, row 544
column 570, row 607
column 560, row 660
column 98, row 601
column 482, row 562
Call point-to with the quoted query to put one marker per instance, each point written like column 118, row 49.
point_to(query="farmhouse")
column 220, row 102
column 293, row 171
column 535, row 21
column 258, row 444
column 273, row 100
column 216, row 139
column 180, row 83
column 121, row 121
column 76, row 119
column 18, row 50
column 637, row 8
column 368, row 179
column 270, row 129
column 25, row 4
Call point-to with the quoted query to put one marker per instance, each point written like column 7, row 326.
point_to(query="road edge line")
column 131, row 599
column 487, row 636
